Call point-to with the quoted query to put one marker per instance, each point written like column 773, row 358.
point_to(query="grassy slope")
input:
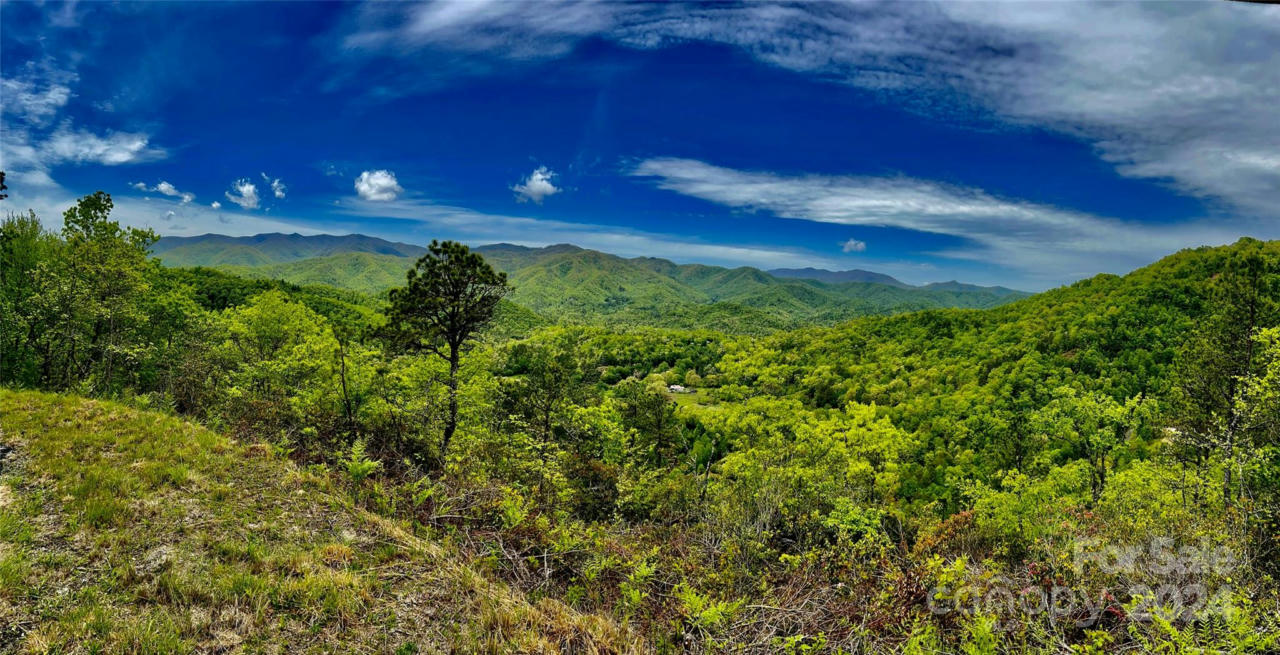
column 129, row 531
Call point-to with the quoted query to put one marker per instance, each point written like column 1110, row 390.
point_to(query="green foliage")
column 513, row 509
column 704, row 615
column 869, row 469
column 78, row 313
column 577, row 285
column 451, row 295
column 364, row 272
column 1023, row 510
column 573, row 285
column 1090, row 428
column 358, row 464
column 215, row 250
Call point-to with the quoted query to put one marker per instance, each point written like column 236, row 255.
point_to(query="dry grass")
column 128, row 531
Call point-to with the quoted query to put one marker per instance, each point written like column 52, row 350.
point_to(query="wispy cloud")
column 1179, row 93
column 35, row 140
column 38, row 94
column 24, row 151
column 68, row 145
column 503, row 28
column 1182, row 93
column 167, row 189
column 1044, row 243
column 278, row 188
column 243, row 193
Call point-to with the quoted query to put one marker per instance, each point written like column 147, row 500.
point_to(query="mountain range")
column 568, row 283
column 823, row 275
column 215, row 250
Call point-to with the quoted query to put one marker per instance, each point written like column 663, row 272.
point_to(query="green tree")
column 110, row 264
column 652, row 416
column 546, row 376
column 266, row 361
column 24, row 247
column 1222, row 356
column 1091, row 426
column 1259, row 407
column 78, row 303
column 450, row 295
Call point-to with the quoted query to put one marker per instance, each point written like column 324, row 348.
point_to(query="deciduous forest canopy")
column 615, row 327
column 876, row 484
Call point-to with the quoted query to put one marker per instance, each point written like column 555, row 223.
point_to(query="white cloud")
column 167, row 189
column 277, row 187
column 1177, row 93
column 67, row 145
column 1181, row 93
column 215, row 205
column 1045, row 243
column 24, row 97
column 246, row 194
column 853, row 245
column 31, row 102
column 380, row 186
column 537, row 186
column 65, row 16
column 22, row 151
column 199, row 219
column 500, row 28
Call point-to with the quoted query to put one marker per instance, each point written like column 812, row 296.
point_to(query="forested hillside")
column 368, row 273
column 823, row 275
column 262, row 249
column 1091, row 469
column 565, row 281
column 573, row 284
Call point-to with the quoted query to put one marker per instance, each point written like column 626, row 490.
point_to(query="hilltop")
column 824, row 275
column 131, row 531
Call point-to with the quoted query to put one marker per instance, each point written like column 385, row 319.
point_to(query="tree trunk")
column 1226, row 468
column 346, row 395
column 451, row 423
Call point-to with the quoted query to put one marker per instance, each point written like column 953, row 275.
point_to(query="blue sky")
column 1020, row 144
